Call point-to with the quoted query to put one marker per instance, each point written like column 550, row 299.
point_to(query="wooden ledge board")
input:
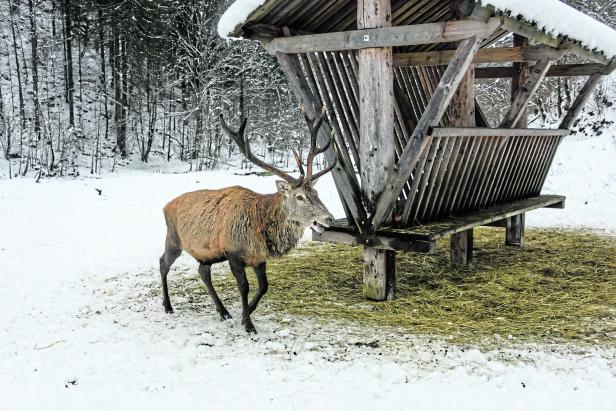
column 421, row 238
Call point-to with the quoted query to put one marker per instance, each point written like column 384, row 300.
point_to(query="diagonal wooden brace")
column 526, row 92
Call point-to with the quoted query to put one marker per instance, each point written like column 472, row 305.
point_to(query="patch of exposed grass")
column 561, row 287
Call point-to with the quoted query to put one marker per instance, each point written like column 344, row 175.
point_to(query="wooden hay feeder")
column 418, row 160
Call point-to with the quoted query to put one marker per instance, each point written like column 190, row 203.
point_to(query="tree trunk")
column 68, row 62
column 103, row 78
column 22, row 107
column 34, row 53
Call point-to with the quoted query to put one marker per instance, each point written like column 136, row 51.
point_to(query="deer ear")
column 283, row 187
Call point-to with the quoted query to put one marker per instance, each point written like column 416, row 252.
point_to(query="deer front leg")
column 238, row 268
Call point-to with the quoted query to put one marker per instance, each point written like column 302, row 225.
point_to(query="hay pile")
column 560, row 287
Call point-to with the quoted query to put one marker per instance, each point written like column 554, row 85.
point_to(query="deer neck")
column 281, row 233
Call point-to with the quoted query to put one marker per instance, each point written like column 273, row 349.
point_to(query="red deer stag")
column 243, row 227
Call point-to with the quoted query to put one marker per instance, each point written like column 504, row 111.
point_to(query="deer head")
column 300, row 200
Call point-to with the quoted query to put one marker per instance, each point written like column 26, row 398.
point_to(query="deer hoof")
column 250, row 328
column 225, row 315
column 168, row 308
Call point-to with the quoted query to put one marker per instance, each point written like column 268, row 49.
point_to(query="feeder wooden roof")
column 258, row 18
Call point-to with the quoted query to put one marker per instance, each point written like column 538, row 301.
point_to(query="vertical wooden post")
column 379, row 274
column 514, row 230
column 462, row 104
column 376, row 144
column 521, row 72
column 462, row 247
column 462, row 108
column 376, row 111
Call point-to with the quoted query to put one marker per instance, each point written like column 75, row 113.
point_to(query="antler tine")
column 300, row 166
column 313, row 125
column 327, row 169
column 244, row 146
column 326, row 146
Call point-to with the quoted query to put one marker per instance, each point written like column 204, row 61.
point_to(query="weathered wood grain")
column 559, row 70
column 526, row 92
column 461, row 247
column 514, row 230
column 379, row 274
column 487, row 55
column 375, row 241
column 427, row 33
column 444, row 227
column 579, row 102
column 521, row 73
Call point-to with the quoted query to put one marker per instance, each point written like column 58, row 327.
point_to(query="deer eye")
column 300, row 198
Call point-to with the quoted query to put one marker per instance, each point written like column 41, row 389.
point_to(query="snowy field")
column 80, row 328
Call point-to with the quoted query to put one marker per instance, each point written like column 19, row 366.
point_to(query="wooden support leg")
column 462, row 247
column 515, row 230
column 379, row 274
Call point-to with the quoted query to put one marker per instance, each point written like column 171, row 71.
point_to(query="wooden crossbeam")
column 447, row 86
column 444, row 32
column 526, row 93
column 489, row 55
column 559, row 70
column 345, row 181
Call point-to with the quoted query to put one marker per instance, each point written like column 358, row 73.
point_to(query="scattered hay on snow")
column 561, row 287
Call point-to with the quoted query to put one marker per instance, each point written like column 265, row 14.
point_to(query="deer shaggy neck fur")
column 210, row 224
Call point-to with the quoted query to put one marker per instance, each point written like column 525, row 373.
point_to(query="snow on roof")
column 236, row 14
column 552, row 16
column 557, row 18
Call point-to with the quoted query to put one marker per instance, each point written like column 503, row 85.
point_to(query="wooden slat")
column 345, row 182
column 430, row 118
column 427, row 33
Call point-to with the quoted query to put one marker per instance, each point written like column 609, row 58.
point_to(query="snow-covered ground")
column 82, row 326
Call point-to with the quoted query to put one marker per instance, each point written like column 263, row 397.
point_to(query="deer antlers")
column 305, row 177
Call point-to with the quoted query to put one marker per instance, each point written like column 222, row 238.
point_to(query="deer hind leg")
column 206, row 276
column 172, row 252
column 263, row 286
column 238, row 268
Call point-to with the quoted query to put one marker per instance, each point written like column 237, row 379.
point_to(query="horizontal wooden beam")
column 444, row 32
column 488, row 55
column 375, row 241
column 495, row 132
column 560, row 70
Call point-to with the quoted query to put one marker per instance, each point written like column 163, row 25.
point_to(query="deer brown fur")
column 249, row 224
column 245, row 228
